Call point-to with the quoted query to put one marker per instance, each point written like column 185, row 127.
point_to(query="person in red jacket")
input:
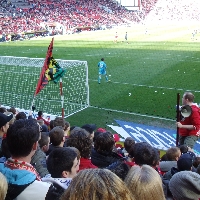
column 40, row 116
column 80, row 139
column 189, row 127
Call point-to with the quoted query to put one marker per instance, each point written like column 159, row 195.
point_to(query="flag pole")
column 42, row 81
column 62, row 97
column 177, row 117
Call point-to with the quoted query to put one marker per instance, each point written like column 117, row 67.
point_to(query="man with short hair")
column 189, row 127
column 44, row 142
column 39, row 162
column 173, row 155
column 57, row 139
column 59, row 121
column 63, row 165
column 23, row 180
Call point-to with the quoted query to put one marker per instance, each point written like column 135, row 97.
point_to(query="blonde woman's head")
column 97, row 184
column 145, row 183
column 3, row 186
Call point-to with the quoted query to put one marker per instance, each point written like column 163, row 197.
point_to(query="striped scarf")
column 16, row 164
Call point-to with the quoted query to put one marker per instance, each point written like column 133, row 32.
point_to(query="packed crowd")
column 70, row 14
column 41, row 159
column 169, row 10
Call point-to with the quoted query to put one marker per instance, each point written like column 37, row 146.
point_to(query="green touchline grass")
column 145, row 75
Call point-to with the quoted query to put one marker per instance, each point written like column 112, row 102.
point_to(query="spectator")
column 173, row 155
column 120, row 168
column 128, row 147
column 67, row 129
column 40, row 117
column 198, row 169
column 144, row 153
column 102, row 154
column 3, row 110
column 44, row 142
column 80, row 139
column 20, row 115
column 12, row 120
column 185, row 185
column 90, row 128
column 155, row 164
column 97, row 132
column 22, row 139
column 184, row 149
column 45, row 129
column 40, row 122
column 97, row 184
column 57, row 139
column 184, row 163
column 13, row 110
column 5, row 153
column 128, row 144
column 59, row 121
column 3, row 186
column 4, row 125
column 196, row 163
column 63, row 166
column 145, row 183
column 51, row 124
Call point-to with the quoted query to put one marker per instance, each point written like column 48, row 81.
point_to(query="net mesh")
column 20, row 75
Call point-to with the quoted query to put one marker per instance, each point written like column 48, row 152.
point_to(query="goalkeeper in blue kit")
column 102, row 70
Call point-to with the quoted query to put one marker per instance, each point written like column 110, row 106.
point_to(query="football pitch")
column 159, row 61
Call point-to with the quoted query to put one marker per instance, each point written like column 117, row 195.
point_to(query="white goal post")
column 19, row 77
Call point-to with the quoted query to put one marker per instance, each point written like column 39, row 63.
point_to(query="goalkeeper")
column 102, row 70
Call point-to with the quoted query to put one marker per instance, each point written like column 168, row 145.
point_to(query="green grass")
column 153, row 67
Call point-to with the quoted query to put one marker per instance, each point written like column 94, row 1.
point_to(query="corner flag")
column 51, row 71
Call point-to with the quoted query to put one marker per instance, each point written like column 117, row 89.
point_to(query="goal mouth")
column 19, row 76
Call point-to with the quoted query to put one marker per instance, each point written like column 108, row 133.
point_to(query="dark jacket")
column 39, row 162
column 104, row 159
column 166, row 178
column 51, row 148
column 170, row 173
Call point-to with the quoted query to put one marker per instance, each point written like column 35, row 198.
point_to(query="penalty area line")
column 132, row 113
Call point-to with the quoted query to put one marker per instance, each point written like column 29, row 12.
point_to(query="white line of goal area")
column 149, row 86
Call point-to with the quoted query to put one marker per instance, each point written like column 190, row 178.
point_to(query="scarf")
column 16, row 164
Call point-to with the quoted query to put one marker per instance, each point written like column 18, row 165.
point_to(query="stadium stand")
column 27, row 16
column 34, row 16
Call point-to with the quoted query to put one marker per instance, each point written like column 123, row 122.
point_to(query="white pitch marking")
column 160, row 87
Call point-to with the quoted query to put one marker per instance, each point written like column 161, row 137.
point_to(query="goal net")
column 19, row 77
